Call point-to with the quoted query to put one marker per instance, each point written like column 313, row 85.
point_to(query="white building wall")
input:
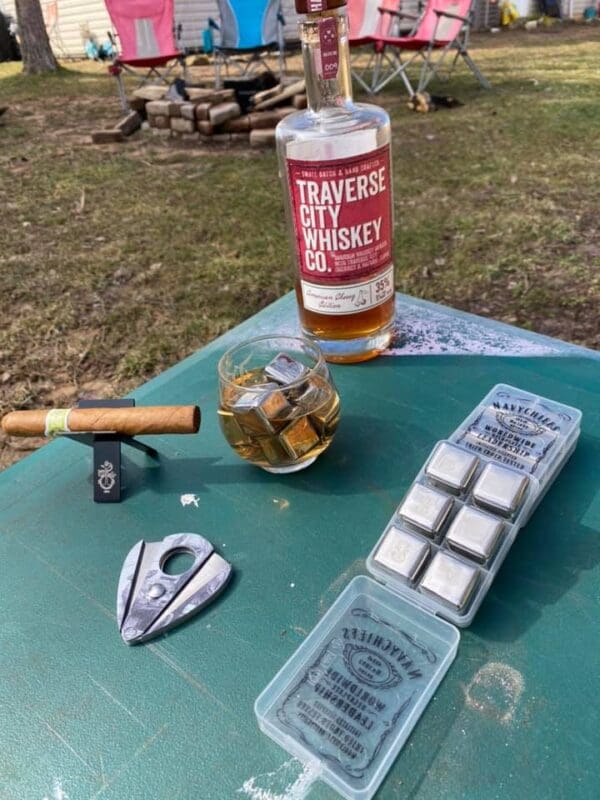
column 69, row 20
column 75, row 21
column 8, row 7
column 66, row 19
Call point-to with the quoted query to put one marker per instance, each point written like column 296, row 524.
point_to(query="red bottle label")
column 328, row 41
column 342, row 216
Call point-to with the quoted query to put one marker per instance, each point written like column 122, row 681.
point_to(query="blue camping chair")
column 249, row 30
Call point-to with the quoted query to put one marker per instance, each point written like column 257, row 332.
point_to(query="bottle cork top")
column 315, row 6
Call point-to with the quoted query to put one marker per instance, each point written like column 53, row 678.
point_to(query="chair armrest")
column 448, row 14
column 400, row 14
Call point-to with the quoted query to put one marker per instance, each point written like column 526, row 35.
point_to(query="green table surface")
column 84, row 716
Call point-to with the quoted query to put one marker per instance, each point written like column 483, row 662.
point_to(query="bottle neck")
column 318, row 53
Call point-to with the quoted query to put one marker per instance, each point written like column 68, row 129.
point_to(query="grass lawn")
column 117, row 261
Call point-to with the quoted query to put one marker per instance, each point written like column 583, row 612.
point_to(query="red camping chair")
column 145, row 31
column 443, row 27
column 368, row 26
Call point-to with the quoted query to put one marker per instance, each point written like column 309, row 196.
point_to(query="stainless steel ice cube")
column 285, row 370
column 452, row 467
column 403, row 552
column 449, row 580
column 426, row 509
column 500, row 489
column 299, row 437
column 474, row 533
column 256, row 410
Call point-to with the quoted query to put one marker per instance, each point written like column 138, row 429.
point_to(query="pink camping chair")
column 145, row 31
column 443, row 27
column 368, row 25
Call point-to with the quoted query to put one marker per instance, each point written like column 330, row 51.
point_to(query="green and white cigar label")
column 57, row 421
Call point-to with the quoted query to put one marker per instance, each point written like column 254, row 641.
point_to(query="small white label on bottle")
column 349, row 298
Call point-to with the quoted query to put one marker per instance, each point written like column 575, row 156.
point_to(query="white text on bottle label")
column 342, row 216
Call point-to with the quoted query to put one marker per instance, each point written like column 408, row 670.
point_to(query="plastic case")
column 512, row 432
column 353, row 691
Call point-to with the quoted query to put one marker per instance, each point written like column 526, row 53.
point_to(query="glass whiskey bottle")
column 335, row 166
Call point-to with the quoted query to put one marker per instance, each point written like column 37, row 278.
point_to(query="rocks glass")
column 278, row 405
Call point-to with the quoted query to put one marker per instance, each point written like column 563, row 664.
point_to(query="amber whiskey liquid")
column 336, row 170
column 279, row 428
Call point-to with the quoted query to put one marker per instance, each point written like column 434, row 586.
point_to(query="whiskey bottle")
column 335, row 166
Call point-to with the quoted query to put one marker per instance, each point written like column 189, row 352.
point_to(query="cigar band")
column 57, row 421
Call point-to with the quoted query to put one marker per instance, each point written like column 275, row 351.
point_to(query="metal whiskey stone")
column 231, row 428
column 326, row 408
column 299, row 437
column 403, row 552
column 273, row 449
column 256, row 411
column 426, row 509
column 474, row 533
column 285, row 370
column 452, row 467
column 449, row 580
column 500, row 489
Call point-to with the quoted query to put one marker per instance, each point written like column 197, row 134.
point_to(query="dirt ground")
column 117, row 261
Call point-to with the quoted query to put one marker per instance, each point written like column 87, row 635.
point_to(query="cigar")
column 132, row 421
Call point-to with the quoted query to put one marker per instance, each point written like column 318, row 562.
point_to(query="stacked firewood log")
column 213, row 116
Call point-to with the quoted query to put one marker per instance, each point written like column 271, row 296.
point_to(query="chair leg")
column 122, row 94
column 184, row 69
column 407, row 83
column 358, row 74
column 218, row 65
column 475, row 70
column 396, row 68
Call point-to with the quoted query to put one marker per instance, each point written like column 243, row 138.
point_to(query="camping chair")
column 249, row 29
column 145, row 31
column 367, row 27
column 444, row 26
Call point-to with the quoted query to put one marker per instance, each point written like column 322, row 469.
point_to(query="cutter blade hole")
column 177, row 562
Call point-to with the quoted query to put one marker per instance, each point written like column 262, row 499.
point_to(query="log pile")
column 211, row 116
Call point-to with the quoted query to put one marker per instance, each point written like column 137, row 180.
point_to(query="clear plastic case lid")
column 353, row 691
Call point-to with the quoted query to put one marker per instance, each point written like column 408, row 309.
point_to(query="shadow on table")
column 436, row 727
column 545, row 561
column 341, row 470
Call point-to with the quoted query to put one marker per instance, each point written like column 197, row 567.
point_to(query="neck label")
column 328, row 63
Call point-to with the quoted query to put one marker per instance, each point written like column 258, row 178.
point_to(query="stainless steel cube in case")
column 403, row 552
column 426, row 509
column 474, row 533
column 452, row 467
column 500, row 489
column 449, row 580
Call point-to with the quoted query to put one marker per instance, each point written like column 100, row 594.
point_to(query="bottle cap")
column 315, row 6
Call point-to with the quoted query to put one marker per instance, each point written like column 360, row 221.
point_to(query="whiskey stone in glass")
column 279, row 407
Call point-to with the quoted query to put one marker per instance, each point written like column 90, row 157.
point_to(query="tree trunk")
column 35, row 45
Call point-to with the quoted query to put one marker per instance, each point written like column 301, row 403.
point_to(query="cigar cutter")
column 150, row 601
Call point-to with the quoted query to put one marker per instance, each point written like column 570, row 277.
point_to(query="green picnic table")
column 85, row 716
